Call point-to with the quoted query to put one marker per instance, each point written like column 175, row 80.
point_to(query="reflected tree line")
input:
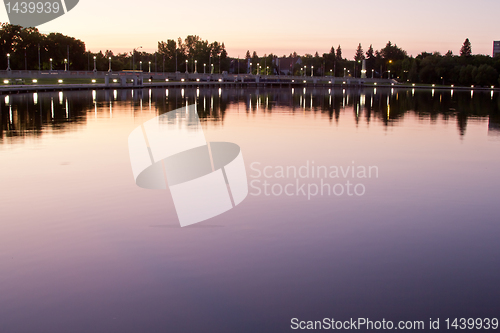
column 33, row 114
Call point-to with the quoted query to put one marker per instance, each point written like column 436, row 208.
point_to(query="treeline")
column 394, row 62
column 32, row 50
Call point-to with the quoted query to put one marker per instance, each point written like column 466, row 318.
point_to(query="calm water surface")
column 83, row 249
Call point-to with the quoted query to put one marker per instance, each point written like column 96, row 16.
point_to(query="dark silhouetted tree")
column 339, row 53
column 370, row 53
column 359, row 53
column 466, row 50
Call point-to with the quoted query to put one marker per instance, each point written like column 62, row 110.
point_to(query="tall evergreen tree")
column 466, row 50
column 370, row 53
column 339, row 53
column 359, row 53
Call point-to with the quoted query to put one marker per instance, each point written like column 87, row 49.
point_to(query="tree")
column 485, row 76
column 339, row 53
column 466, row 50
column 392, row 52
column 248, row 56
column 370, row 54
column 359, row 53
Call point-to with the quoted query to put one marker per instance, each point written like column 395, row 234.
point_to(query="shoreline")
column 19, row 89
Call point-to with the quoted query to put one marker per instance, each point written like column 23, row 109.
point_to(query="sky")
column 281, row 27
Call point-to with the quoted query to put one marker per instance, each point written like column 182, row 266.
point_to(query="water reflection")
column 31, row 114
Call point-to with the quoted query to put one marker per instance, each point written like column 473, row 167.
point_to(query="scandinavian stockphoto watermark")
column 310, row 180
column 36, row 12
column 205, row 179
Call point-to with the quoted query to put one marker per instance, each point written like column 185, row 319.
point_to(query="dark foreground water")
column 414, row 237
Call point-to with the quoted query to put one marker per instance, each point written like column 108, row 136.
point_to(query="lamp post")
column 65, row 65
column 389, row 71
column 331, row 72
column 50, row 64
column 8, row 61
column 212, row 69
column 150, row 67
column 196, row 66
column 204, row 68
column 187, row 72
column 312, row 70
column 140, row 65
column 133, row 57
column 109, row 70
column 372, row 72
column 95, row 64
column 251, row 68
column 267, row 70
column 344, row 71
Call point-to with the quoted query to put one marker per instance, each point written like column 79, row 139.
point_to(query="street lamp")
column 95, row 64
column 187, row 72
column 8, row 61
column 150, row 67
column 196, row 66
column 204, row 68
column 212, row 70
column 344, row 71
column 251, row 68
column 372, row 72
column 50, row 64
column 65, row 65
column 389, row 74
column 109, row 70
column 267, row 70
column 305, row 70
column 133, row 57
column 331, row 72
column 312, row 70
column 140, row 65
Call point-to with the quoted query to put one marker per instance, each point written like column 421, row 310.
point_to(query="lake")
column 414, row 237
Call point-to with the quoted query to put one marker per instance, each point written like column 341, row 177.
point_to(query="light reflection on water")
column 24, row 114
column 83, row 249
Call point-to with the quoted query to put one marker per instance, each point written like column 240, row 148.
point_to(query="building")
column 285, row 65
column 496, row 48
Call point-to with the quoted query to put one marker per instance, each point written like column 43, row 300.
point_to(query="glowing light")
column 35, row 80
column 93, row 81
column 115, row 80
column 182, row 80
column 6, row 81
column 166, row 80
column 60, row 81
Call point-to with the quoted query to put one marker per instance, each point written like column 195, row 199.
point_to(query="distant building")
column 496, row 48
column 285, row 65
